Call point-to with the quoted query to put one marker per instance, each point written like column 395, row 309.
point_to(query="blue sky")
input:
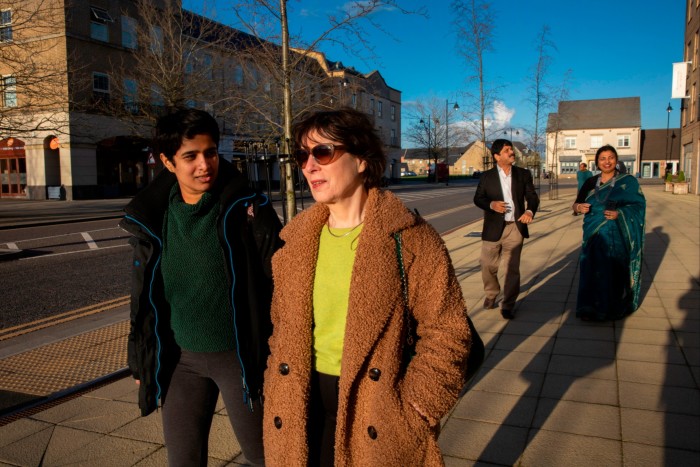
column 614, row 48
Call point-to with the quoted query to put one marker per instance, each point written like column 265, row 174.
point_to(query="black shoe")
column 507, row 314
column 489, row 303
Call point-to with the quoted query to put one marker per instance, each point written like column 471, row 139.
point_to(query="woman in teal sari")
column 613, row 241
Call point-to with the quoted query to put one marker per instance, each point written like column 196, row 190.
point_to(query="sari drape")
column 611, row 252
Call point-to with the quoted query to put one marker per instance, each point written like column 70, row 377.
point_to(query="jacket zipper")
column 150, row 298
column 247, row 400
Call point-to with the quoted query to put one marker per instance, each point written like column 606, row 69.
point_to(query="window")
column 207, row 68
column 623, row 141
column 131, row 95
column 393, row 113
column 254, row 78
column 354, row 100
column 8, row 91
column 157, row 100
column 99, row 31
column 100, row 87
column 569, row 167
column 371, row 106
column 238, row 75
column 98, row 24
column 101, row 15
column 129, row 32
column 5, row 25
column 393, row 137
column 380, row 108
column 596, row 141
column 189, row 65
column 569, row 142
column 156, row 40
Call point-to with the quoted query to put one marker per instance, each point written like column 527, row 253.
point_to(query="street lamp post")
column 668, row 124
column 447, row 138
column 429, row 149
column 517, row 132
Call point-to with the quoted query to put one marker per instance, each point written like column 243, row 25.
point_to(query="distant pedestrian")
column 201, row 291
column 582, row 175
column 339, row 389
column 613, row 241
column 502, row 193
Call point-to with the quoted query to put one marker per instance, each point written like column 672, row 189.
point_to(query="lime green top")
column 336, row 256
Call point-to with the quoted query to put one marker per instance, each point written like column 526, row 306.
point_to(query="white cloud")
column 502, row 115
column 353, row 7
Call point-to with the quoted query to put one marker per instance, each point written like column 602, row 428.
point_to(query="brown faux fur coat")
column 377, row 421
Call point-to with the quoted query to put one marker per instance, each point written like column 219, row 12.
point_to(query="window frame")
column 623, row 138
column 6, row 25
column 129, row 32
column 569, row 142
column 131, row 95
column 8, row 91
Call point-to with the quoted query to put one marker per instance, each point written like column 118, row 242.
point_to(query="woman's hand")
column 582, row 208
column 610, row 215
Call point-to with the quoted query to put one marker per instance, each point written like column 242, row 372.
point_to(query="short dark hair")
column 583, row 164
column 602, row 149
column 180, row 124
column 354, row 130
column 498, row 146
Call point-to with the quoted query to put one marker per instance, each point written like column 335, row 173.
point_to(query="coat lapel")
column 375, row 288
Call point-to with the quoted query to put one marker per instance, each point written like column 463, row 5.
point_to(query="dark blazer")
column 489, row 189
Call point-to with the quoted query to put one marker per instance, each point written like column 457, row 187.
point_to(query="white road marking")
column 73, row 252
column 90, row 242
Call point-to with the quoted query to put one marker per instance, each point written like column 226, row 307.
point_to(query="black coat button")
column 372, row 432
column 284, row 369
column 374, row 374
column 278, row 423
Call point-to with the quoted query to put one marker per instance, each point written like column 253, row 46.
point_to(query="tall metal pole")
column 447, row 139
column 286, row 172
column 668, row 124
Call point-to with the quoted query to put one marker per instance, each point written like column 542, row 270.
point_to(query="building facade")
column 659, row 152
column 690, row 107
column 78, row 105
column 579, row 128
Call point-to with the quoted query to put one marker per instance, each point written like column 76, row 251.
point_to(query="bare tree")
column 33, row 74
column 174, row 58
column 426, row 128
column 295, row 68
column 540, row 93
column 553, row 127
column 474, row 29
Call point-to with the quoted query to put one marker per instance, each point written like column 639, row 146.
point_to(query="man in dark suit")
column 502, row 194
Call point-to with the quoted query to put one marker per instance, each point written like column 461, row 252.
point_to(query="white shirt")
column 506, row 185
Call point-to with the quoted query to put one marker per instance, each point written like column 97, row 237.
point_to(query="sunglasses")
column 323, row 154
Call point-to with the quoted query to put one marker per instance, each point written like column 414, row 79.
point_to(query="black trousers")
column 322, row 421
column 188, row 409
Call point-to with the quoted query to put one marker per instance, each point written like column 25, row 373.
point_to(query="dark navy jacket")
column 248, row 229
column 489, row 189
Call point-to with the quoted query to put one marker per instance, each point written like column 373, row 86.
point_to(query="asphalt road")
column 69, row 266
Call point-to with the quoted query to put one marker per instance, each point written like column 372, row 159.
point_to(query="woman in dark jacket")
column 201, row 290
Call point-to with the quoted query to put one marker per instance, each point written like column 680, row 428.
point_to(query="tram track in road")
column 71, row 315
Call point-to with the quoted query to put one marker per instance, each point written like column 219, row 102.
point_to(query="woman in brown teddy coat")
column 337, row 389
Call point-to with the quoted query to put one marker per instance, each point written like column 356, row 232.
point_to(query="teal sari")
column 611, row 253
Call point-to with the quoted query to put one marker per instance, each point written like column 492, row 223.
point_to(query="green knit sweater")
column 194, row 276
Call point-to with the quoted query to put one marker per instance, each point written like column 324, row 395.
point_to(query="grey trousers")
column 189, row 405
column 507, row 250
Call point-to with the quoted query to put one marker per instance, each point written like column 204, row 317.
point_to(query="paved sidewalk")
column 554, row 391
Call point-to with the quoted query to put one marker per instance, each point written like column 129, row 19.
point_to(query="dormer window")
column 100, row 14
